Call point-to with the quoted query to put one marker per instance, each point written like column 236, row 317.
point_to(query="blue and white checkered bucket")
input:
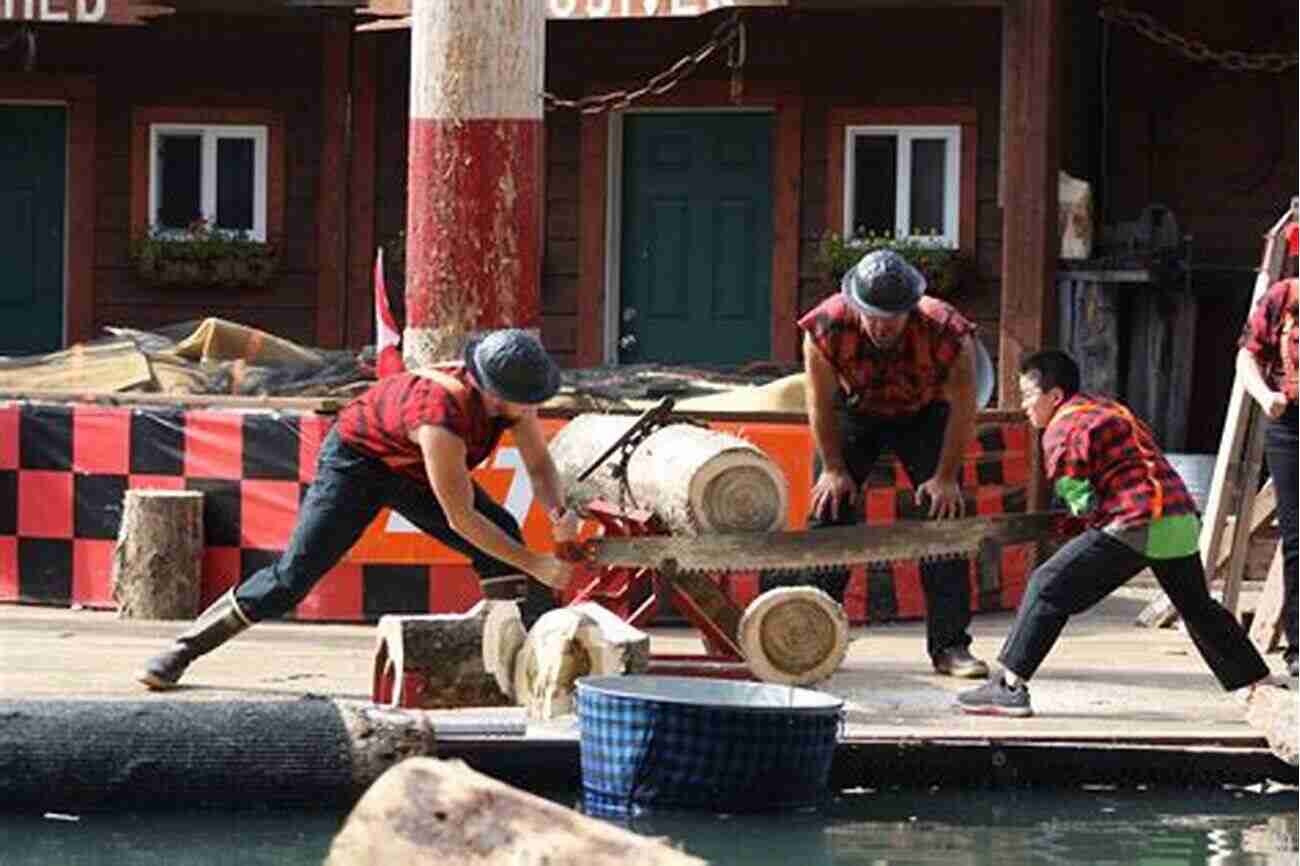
column 654, row 743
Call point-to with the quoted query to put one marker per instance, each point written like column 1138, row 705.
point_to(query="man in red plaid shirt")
column 1105, row 466
column 409, row 443
column 890, row 369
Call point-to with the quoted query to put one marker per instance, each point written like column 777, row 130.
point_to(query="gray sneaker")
column 996, row 698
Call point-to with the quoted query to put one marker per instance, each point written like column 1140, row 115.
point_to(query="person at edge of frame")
column 409, row 443
column 1267, row 365
column 889, row 368
column 1104, row 464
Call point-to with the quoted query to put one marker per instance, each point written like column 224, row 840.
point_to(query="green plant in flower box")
column 203, row 256
column 945, row 269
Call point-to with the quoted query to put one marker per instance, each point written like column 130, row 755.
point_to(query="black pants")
column 1280, row 449
column 349, row 490
column 1092, row 566
column 917, row 441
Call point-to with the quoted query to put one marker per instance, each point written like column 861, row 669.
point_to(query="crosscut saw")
column 817, row 550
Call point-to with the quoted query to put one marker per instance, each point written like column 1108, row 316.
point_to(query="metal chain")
column 730, row 34
column 1197, row 51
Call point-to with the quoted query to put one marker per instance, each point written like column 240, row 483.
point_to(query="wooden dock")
column 1115, row 704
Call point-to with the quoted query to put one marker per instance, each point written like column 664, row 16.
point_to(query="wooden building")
column 850, row 112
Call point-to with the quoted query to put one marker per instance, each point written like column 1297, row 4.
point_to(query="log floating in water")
column 429, row 811
column 698, row 481
column 158, row 559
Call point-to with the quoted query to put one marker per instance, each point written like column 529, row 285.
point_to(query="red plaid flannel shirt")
column 379, row 422
column 1101, row 441
column 890, row 382
column 1271, row 325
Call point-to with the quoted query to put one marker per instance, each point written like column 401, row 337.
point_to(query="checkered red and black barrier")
column 65, row 467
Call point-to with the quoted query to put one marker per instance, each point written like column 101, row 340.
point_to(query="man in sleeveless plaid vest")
column 890, row 369
column 409, row 444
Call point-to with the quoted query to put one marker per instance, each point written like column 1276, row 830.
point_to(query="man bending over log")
column 409, row 443
column 1104, row 464
column 888, row 368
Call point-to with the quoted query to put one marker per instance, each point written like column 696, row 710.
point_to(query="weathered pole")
column 474, row 214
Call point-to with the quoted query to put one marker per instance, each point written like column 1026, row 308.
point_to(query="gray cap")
column 512, row 365
column 883, row 283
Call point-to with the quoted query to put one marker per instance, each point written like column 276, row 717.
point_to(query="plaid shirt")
column 1100, row 441
column 380, row 421
column 1270, row 335
column 890, row 382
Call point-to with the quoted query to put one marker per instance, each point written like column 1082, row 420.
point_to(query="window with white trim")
column 903, row 181
column 212, row 172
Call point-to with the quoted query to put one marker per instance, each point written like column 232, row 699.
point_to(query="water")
column 1226, row 828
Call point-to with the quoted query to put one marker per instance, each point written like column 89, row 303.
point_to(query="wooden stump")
column 698, row 481
column 571, row 642
column 443, row 661
column 158, row 560
column 797, row 635
column 430, row 811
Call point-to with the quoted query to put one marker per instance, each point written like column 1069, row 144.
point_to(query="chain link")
column 1197, row 51
column 729, row 35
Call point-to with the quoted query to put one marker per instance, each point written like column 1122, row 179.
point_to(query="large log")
column 449, row 660
column 73, row 756
column 571, row 642
column 430, row 811
column 158, row 560
column 698, row 481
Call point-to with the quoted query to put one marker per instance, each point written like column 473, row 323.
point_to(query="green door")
column 32, row 155
column 696, row 280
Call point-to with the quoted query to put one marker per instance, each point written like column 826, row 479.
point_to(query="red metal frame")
column 635, row 593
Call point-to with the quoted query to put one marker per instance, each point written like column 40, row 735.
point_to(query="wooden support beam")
column 361, row 189
column 331, row 191
column 1030, row 238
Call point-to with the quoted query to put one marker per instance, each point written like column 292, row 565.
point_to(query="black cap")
column 511, row 364
column 883, row 283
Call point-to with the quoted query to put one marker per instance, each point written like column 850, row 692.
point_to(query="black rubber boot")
column 216, row 625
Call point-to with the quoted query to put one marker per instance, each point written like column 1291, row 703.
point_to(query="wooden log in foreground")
column 458, row 659
column 571, row 642
column 1273, row 712
column 698, row 481
column 158, row 560
column 429, row 811
column 796, row 635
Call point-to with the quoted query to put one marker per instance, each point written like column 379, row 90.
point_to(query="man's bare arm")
column 444, row 462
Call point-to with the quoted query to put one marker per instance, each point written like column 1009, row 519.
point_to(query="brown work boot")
column 216, row 625
column 958, row 662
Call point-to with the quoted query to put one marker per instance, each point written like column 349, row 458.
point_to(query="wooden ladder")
column 1236, row 508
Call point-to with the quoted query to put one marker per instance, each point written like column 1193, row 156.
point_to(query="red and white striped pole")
column 474, row 210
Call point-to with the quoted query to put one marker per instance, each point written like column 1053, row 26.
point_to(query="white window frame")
column 905, row 134
column 210, row 134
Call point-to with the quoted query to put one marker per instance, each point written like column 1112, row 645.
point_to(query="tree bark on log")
column 458, row 660
column 698, row 481
column 158, row 560
column 430, row 811
column 571, row 642
column 72, row 756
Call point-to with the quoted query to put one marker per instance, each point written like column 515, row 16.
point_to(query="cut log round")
column 158, row 560
column 698, row 481
column 430, row 811
column 441, row 661
column 796, row 635
column 571, row 642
